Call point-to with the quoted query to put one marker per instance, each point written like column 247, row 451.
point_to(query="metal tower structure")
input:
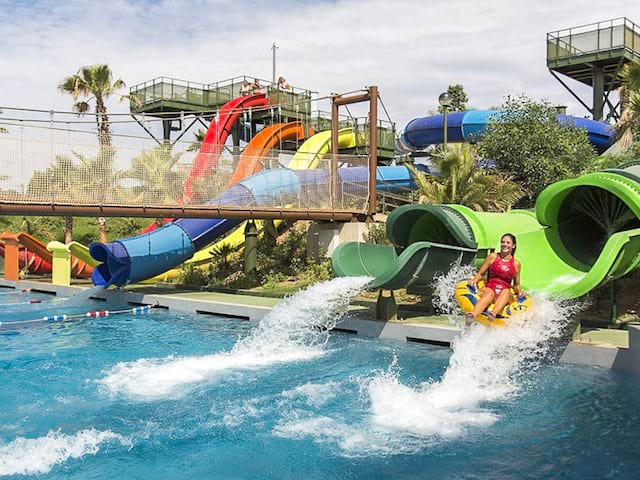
column 174, row 100
column 594, row 55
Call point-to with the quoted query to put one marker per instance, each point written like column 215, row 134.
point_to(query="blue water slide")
column 469, row 126
column 134, row 259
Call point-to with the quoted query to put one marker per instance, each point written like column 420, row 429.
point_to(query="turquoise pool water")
column 169, row 395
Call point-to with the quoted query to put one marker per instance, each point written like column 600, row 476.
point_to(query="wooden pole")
column 334, row 151
column 373, row 150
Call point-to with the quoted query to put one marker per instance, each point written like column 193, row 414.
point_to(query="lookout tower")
column 593, row 55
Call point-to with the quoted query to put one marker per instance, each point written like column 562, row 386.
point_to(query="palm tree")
column 44, row 227
column 629, row 124
column 222, row 254
column 157, row 181
column 464, row 182
column 95, row 83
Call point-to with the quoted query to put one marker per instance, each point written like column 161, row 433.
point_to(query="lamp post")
column 274, row 48
column 445, row 102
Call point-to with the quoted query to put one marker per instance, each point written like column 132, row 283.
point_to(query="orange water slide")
column 79, row 268
column 264, row 141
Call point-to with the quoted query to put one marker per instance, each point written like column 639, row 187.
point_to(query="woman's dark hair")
column 513, row 239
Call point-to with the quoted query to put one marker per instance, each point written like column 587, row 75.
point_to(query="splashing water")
column 444, row 287
column 487, row 365
column 294, row 330
column 29, row 456
column 304, row 319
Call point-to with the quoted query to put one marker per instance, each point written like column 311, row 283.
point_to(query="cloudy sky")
column 411, row 49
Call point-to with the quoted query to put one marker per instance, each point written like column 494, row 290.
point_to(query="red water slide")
column 216, row 136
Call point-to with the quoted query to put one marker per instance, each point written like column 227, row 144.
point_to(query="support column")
column 235, row 137
column 61, row 263
column 11, row 256
column 386, row 307
column 166, row 131
column 613, row 317
column 598, row 93
column 250, row 248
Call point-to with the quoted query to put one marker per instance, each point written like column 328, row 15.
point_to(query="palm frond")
column 81, row 107
column 464, row 182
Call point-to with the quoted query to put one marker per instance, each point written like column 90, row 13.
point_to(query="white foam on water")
column 321, row 429
column 314, row 394
column 488, row 367
column 351, row 439
column 30, row 456
column 236, row 414
column 171, row 377
column 294, row 330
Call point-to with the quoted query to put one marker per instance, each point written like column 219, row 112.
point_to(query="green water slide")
column 584, row 232
column 427, row 240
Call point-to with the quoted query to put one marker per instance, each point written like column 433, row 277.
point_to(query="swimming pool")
column 169, row 395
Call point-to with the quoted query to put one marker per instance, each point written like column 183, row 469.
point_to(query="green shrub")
column 377, row 234
column 193, row 275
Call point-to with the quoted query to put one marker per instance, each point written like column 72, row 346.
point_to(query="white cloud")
column 411, row 49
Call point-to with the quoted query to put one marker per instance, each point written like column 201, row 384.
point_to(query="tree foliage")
column 157, row 181
column 615, row 160
column 47, row 228
column 528, row 143
column 458, row 97
column 628, row 127
column 464, row 182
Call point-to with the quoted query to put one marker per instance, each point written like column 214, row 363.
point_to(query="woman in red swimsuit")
column 503, row 273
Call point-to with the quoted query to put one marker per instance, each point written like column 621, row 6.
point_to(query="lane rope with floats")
column 13, row 292
column 63, row 317
column 27, row 302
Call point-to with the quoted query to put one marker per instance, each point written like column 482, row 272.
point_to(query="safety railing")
column 178, row 93
column 618, row 33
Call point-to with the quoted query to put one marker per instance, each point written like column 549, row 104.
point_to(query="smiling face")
column 507, row 245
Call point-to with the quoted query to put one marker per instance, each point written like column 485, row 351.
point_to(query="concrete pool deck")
column 606, row 348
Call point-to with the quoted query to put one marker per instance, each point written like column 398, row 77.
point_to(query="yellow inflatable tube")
column 467, row 297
